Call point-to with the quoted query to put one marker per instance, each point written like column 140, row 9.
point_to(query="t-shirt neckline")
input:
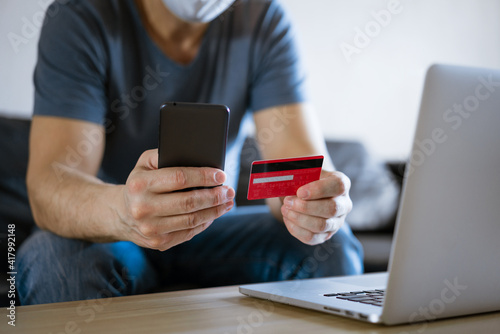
column 154, row 46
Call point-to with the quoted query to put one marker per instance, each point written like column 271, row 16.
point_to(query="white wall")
column 375, row 95
column 372, row 96
column 20, row 23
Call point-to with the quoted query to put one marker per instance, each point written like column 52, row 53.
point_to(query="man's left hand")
column 319, row 209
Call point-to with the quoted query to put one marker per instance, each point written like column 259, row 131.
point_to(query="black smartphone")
column 193, row 135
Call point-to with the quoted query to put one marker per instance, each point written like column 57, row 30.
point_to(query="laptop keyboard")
column 372, row 297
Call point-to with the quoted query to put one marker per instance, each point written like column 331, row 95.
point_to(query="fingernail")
column 229, row 206
column 230, row 194
column 220, row 177
column 288, row 202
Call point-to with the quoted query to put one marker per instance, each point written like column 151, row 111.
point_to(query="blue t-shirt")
column 97, row 63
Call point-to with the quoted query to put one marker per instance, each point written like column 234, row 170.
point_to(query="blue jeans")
column 246, row 245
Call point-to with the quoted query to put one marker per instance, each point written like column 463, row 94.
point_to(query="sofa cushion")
column 14, row 206
column 374, row 189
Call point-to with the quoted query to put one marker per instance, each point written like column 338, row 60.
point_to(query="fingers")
column 178, row 178
column 169, row 240
column 319, row 209
column 172, row 204
column 147, row 176
column 155, row 216
column 182, row 214
column 324, row 208
column 181, row 222
column 313, row 224
column 306, row 236
column 171, row 231
column 332, row 185
column 166, row 180
column 148, row 160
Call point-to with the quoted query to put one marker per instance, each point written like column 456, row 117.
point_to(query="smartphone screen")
column 193, row 135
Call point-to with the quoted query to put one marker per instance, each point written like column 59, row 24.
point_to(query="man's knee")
column 350, row 250
column 341, row 255
column 41, row 247
column 43, row 259
column 54, row 269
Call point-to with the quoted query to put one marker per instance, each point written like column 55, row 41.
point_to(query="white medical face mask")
column 197, row 11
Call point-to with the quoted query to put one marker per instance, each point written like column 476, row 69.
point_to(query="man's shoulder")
column 86, row 5
column 94, row 23
column 101, row 10
column 254, row 16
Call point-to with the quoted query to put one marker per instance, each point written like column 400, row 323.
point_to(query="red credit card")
column 282, row 177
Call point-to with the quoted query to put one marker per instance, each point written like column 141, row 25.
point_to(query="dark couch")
column 375, row 193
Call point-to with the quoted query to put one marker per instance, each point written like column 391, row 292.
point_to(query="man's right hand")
column 154, row 216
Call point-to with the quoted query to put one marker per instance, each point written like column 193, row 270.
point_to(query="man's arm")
column 68, row 199
column 319, row 209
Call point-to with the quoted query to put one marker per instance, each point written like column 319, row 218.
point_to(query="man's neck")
column 178, row 39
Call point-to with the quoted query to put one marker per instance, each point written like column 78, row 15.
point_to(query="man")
column 109, row 228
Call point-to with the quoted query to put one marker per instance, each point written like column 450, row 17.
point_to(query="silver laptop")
column 445, row 258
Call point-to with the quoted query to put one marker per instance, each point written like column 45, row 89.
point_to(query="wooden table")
column 215, row 310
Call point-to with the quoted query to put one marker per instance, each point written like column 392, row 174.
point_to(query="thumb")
column 148, row 160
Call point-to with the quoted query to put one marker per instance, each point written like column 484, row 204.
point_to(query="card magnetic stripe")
column 286, row 165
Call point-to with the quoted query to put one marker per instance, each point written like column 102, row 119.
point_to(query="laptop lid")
column 445, row 259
